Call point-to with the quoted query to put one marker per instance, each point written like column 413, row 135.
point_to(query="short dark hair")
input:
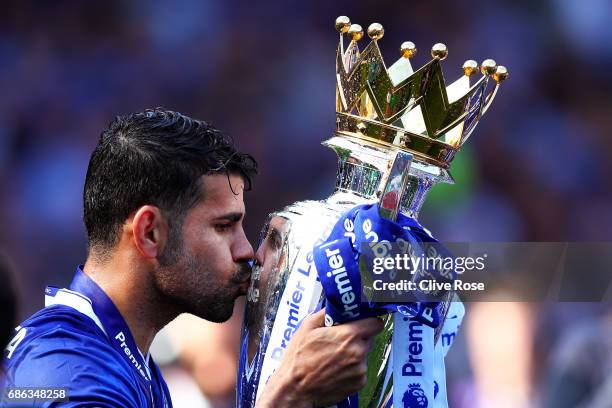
column 155, row 157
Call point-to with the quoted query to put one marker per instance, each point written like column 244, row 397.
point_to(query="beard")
column 186, row 282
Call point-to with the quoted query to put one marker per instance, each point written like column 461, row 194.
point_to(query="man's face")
column 270, row 259
column 269, row 253
column 206, row 274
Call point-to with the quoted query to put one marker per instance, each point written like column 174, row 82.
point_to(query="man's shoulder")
column 56, row 328
column 61, row 316
column 59, row 346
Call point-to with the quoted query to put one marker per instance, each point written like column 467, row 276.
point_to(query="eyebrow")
column 232, row 217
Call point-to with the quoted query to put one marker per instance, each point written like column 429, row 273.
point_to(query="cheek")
column 213, row 253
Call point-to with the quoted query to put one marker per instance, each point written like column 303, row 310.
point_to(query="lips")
column 243, row 277
column 244, row 283
column 244, row 286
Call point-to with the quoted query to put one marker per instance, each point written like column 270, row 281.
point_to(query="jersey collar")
column 88, row 298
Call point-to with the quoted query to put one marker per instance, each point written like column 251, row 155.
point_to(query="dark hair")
column 155, row 157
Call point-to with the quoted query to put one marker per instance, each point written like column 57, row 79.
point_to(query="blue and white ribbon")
column 418, row 364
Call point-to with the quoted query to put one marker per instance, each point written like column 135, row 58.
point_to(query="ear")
column 149, row 231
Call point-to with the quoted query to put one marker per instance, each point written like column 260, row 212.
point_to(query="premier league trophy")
column 397, row 130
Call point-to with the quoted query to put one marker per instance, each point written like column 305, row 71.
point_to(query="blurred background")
column 537, row 168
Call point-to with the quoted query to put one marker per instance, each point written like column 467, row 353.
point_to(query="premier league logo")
column 415, row 397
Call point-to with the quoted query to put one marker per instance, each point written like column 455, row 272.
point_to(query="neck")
column 130, row 288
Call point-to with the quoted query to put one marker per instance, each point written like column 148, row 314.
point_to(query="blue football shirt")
column 80, row 343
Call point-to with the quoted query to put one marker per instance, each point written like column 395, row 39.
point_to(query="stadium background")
column 536, row 169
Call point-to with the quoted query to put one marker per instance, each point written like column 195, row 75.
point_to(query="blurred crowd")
column 536, row 169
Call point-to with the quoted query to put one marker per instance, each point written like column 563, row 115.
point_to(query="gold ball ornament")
column 439, row 51
column 355, row 32
column 470, row 67
column 408, row 49
column 501, row 74
column 376, row 31
column 488, row 67
column 342, row 24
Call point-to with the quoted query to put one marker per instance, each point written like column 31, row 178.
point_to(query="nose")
column 259, row 255
column 242, row 250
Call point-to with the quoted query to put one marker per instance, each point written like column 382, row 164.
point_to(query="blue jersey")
column 80, row 343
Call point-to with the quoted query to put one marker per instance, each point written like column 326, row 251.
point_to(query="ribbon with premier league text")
column 416, row 358
column 361, row 233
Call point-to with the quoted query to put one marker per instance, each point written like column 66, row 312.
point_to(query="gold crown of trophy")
column 397, row 130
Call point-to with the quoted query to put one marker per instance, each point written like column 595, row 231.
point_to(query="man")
column 163, row 209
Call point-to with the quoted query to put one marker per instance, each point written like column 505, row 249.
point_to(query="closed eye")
column 223, row 227
column 227, row 221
